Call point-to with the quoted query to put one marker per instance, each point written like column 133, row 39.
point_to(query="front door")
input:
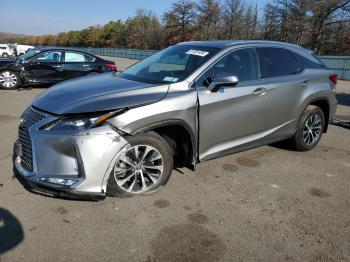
column 232, row 116
column 45, row 68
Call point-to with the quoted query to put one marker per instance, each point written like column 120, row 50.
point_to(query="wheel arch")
column 322, row 103
column 179, row 136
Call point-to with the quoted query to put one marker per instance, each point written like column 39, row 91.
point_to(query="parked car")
column 49, row 66
column 121, row 135
column 5, row 50
column 22, row 49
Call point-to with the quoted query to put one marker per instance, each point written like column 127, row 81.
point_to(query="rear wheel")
column 310, row 129
column 5, row 55
column 144, row 165
column 9, row 80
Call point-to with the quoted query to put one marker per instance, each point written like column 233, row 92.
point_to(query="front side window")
column 170, row 65
column 49, row 57
column 241, row 63
column 276, row 62
column 74, row 57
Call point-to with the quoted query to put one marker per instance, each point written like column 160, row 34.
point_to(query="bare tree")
column 233, row 11
column 208, row 19
column 323, row 14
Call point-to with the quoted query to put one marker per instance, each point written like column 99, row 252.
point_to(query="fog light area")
column 58, row 181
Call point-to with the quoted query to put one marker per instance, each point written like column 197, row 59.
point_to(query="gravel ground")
column 266, row 204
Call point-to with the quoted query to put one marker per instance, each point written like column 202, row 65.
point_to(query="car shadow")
column 11, row 231
column 29, row 88
column 343, row 99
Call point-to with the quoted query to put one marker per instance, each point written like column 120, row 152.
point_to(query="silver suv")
column 121, row 134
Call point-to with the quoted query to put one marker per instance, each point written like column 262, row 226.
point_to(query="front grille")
column 29, row 118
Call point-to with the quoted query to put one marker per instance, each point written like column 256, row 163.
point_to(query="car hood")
column 96, row 93
column 7, row 60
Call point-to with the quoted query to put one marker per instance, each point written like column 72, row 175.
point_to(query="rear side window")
column 276, row 62
column 307, row 63
column 74, row 57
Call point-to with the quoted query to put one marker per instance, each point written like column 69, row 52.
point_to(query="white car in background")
column 5, row 50
column 22, row 49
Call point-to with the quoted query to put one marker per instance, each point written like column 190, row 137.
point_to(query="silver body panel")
column 230, row 120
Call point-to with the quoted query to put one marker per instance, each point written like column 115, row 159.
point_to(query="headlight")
column 80, row 123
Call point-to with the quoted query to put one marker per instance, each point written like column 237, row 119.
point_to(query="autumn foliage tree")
column 320, row 25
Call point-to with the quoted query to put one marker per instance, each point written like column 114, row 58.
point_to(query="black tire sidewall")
column 299, row 141
column 156, row 141
column 13, row 87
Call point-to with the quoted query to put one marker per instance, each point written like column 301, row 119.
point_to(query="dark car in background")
column 49, row 66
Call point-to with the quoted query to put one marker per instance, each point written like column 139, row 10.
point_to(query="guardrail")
column 340, row 64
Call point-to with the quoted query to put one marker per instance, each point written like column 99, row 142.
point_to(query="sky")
column 37, row 17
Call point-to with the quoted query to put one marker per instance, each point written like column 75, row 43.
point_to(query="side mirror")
column 219, row 81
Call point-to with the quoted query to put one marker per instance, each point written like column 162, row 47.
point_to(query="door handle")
column 306, row 83
column 260, row 91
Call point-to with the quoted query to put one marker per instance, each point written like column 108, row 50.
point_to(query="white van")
column 22, row 49
column 5, row 50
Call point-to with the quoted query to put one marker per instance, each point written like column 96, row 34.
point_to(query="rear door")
column 44, row 68
column 286, row 85
column 77, row 64
column 232, row 116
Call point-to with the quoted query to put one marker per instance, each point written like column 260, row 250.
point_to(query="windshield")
column 29, row 54
column 170, row 65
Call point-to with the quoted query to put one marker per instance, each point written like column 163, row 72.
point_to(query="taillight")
column 334, row 78
column 112, row 67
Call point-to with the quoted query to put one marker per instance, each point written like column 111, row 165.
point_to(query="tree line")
column 320, row 25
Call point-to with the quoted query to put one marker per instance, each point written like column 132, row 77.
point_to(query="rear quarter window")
column 308, row 63
column 276, row 62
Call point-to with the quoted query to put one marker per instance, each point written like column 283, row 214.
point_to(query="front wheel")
column 9, row 80
column 143, row 165
column 310, row 129
column 5, row 55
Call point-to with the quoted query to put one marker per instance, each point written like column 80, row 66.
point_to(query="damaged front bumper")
column 67, row 163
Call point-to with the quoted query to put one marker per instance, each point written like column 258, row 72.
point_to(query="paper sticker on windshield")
column 170, row 79
column 197, row 52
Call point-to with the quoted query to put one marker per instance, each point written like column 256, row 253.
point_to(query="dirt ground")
column 267, row 204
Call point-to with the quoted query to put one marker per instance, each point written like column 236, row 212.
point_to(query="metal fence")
column 116, row 52
column 340, row 64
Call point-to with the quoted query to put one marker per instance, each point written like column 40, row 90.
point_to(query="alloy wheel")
column 312, row 129
column 8, row 79
column 138, row 169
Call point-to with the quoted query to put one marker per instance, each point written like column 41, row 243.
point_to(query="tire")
column 306, row 138
column 5, row 55
column 131, row 176
column 9, row 80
